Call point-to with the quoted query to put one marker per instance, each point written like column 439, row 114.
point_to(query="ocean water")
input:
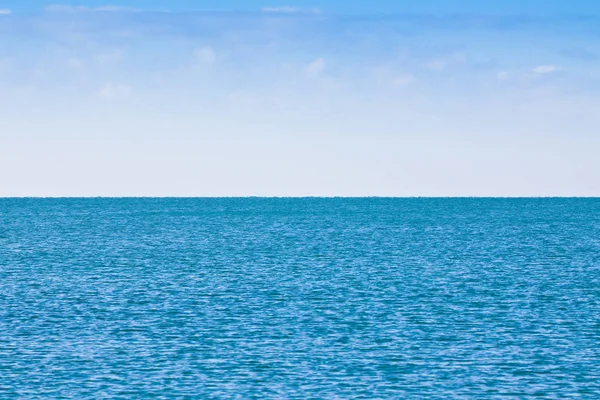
column 299, row 298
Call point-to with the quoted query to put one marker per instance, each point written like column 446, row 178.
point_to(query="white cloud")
column 546, row 69
column 281, row 9
column 388, row 75
column 403, row 80
column 109, row 58
column 206, row 55
column 290, row 10
column 436, row 65
column 114, row 91
column 5, row 11
column 75, row 63
column 315, row 68
column 6, row 65
column 72, row 9
column 444, row 63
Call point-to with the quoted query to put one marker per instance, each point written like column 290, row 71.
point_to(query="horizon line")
column 291, row 197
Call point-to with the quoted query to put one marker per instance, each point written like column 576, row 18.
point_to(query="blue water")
column 299, row 298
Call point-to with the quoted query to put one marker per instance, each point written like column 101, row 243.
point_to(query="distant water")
column 299, row 298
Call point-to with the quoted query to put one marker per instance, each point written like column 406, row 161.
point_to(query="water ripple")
column 299, row 298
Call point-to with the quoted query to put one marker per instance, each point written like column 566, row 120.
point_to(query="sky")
column 305, row 98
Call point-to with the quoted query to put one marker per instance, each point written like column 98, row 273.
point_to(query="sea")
column 305, row 298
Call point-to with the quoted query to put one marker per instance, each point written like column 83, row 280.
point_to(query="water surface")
column 299, row 298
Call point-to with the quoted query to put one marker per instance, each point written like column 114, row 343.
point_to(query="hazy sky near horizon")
column 323, row 97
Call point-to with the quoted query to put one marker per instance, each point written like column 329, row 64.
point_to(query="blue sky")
column 324, row 97
column 538, row 7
